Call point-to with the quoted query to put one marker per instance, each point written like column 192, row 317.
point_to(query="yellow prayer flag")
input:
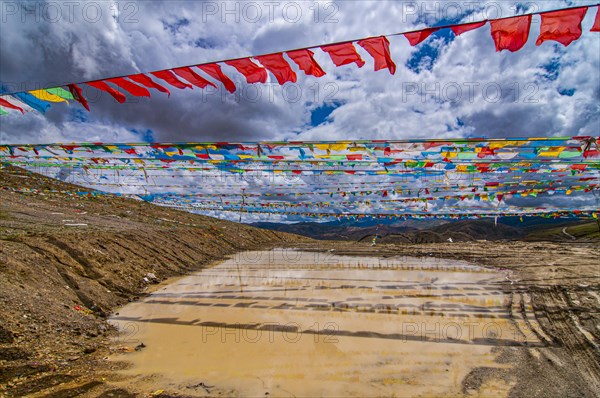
column 46, row 96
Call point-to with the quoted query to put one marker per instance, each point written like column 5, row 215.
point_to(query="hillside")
column 412, row 231
column 355, row 230
column 67, row 261
column 327, row 231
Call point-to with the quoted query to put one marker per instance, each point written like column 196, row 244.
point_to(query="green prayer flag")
column 61, row 92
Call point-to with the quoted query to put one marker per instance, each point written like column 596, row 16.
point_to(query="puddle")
column 291, row 323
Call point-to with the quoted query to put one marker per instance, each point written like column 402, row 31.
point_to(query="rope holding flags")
column 450, row 178
column 512, row 33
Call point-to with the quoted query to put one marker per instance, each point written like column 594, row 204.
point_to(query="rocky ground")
column 66, row 262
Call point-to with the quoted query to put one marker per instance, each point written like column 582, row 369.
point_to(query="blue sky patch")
column 145, row 136
column 176, row 26
column 551, row 69
column 567, row 91
column 79, row 115
column 427, row 53
column 203, row 42
column 319, row 115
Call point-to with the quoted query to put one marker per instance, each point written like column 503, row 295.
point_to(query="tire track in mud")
column 558, row 321
column 528, row 322
column 568, row 359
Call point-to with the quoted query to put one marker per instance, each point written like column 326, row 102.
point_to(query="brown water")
column 290, row 323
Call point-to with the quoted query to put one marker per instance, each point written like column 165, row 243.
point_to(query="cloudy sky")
column 446, row 87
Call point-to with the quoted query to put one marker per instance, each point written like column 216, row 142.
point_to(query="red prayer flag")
column 379, row 49
column 415, row 38
column 343, row 54
column 214, row 71
column 596, row 26
column 252, row 72
column 278, row 66
column 188, row 74
column 76, row 93
column 100, row 85
column 170, row 78
column 305, row 61
column 146, row 81
column 462, row 28
column 580, row 167
column 7, row 104
column 130, row 87
column 510, row 33
column 591, row 153
column 563, row 26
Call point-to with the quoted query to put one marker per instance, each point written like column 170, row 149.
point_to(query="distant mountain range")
column 350, row 230
column 433, row 231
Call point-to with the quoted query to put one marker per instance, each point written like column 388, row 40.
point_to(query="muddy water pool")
column 293, row 323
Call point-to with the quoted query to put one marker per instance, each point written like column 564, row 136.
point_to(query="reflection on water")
column 291, row 323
